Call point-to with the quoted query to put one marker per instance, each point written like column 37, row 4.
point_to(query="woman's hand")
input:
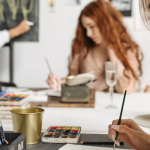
column 20, row 29
column 54, row 81
column 130, row 133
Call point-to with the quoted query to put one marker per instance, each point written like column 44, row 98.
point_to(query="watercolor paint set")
column 59, row 134
column 13, row 99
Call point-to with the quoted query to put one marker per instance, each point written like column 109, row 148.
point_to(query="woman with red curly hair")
column 100, row 37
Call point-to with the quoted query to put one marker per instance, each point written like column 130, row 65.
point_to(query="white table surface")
column 96, row 120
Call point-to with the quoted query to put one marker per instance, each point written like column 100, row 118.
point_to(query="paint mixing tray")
column 59, row 134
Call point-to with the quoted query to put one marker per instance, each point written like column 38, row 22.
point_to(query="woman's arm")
column 123, row 82
column 18, row 30
column 5, row 35
column 55, row 82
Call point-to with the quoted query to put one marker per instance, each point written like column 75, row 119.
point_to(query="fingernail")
column 113, row 137
column 118, row 144
column 116, row 127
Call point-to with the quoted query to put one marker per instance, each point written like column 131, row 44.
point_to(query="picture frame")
column 124, row 6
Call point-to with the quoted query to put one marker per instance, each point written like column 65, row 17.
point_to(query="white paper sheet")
column 81, row 147
column 52, row 92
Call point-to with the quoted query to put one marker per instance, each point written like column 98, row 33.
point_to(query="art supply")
column 30, row 23
column 58, row 134
column 81, row 147
column 17, row 141
column 50, row 70
column 54, row 81
column 6, row 141
column 119, row 122
column 52, row 92
column 13, row 99
column 75, row 94
column 28, row 120
column 80, row 79
column 55, row 101
column 99, row 143
column 2, row 136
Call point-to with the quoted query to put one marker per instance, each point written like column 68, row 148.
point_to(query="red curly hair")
column 109, row 22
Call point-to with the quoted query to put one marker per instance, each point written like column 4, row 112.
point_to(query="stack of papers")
column 80, row 147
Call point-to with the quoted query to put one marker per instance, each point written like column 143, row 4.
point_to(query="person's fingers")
column 122, row 128
column 55, row 81
column 128, row 122
column 28, row 28
column 131, row 133
column 126, row 139
column 51, row 84
column 57, row 78
column 112, row 135
column 51, row 76
column 25, row 21
column 47, row 82
column 121, row 136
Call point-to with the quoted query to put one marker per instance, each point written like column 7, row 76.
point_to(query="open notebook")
column 81, row 147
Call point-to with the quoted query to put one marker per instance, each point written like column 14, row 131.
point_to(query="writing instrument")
column 30, row 23
column 119, row 122
column 48, row 65
column 2, row 136
column 6, row 141
column 100, row 143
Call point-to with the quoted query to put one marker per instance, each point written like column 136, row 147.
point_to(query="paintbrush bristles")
column 114, row 145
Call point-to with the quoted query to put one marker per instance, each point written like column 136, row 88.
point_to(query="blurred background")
column 57, row 26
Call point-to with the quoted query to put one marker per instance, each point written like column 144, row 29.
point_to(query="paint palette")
column 61, row 135
column 13, row 99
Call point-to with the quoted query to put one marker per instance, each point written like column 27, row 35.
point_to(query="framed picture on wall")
column 124, row 6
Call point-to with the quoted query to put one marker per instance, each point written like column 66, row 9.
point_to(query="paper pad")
column 81, row 147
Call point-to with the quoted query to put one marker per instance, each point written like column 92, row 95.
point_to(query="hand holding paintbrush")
column 53, row 80
column 129, row 132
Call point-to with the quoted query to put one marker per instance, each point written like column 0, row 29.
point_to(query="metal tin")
column 28, row 120
column 75, row 94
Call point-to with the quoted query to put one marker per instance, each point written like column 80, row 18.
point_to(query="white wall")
column 56, row 32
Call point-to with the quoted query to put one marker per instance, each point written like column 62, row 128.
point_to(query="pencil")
column 119, row 122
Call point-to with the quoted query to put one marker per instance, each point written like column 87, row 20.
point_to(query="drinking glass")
column 111, row 78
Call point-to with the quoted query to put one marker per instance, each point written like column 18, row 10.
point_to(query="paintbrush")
column 119, row 122
column 54, row 81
